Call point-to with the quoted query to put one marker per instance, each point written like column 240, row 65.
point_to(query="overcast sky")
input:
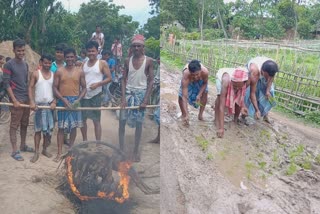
column 138, row 9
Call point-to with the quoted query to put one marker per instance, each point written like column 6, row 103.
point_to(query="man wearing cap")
column 231, row 88
column 193, row 89
column 136, row 89
column 259, row 95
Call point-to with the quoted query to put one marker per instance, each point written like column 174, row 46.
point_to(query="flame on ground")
column 123, row 183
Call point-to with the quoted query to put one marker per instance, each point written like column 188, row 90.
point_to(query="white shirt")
column 92, row 75
column 43, row 89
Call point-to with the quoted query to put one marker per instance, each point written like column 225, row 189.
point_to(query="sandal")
column 16, row 155
column 27, row 149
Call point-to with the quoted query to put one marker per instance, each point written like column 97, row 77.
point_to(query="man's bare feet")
column 47, row 154
column 157, row 140
column 58, row 158
column 267, row 119
column 136, row 157
column 35, row 157
column 200, row 117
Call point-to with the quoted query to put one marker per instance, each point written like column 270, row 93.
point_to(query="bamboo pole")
column 81, row 108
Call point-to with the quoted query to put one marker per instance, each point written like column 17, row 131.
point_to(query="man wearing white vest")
column 93, row 69
column 41, row 86
column 136, row 88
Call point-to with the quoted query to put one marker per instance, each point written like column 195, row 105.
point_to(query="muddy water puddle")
column 234, row 162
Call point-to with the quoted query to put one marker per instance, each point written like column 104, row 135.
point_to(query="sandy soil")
column 21, row 190
column 257, row 169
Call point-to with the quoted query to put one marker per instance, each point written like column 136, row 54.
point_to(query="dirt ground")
column 254, row 169
column 30, row 188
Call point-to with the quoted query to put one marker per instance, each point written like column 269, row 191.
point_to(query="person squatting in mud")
column 231, row 87
column 94, row 70
column 67, row 83
column 15, row 78
column 259, row 96
column 193, row 89
column 40, row 85
column 137, row 84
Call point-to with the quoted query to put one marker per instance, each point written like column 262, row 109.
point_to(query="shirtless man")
column 259, row 95
column 136, row 85
column 66, row 87
column 193, row 89
column 41, row 86
column 231, row 88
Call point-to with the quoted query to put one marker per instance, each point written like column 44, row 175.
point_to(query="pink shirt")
column 116, row 51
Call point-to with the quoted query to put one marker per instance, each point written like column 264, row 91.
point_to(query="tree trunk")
column 222, row 25
column 201, row 26
column 28, row 33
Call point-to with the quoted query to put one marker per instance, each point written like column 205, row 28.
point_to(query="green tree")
column 8, row 20
column 286, row 14
column 152, row 27
column 155, row 5
column 107, row 16
column 304, row 29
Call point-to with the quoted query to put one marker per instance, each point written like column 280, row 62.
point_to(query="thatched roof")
column 32, row 57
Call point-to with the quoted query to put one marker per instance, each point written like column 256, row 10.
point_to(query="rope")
column 81, row 108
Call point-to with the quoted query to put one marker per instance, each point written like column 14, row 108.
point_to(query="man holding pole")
column 136, row 88
column 66, row 86
column 15, row 78
column 41, row 86
column 94, row 69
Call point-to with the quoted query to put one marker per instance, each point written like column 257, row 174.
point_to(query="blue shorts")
column 193, row 91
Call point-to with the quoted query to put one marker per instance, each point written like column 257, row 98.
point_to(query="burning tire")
column 99, row 173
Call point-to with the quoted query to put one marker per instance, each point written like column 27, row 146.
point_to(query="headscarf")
column 238, row 75
column 138, row 38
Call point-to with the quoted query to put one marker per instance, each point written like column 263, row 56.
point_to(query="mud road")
column 254, row 169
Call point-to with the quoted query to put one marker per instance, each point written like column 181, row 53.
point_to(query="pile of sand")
column 32, row 58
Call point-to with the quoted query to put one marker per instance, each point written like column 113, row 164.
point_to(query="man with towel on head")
column 231, row 88
column 136, row 89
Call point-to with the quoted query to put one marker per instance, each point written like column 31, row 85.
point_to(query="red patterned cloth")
column 239, row 75
column 138, row 38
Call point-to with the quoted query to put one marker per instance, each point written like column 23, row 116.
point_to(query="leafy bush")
column 272, row 30
column 211, row 34
column 173, row 29
column 313, row 116
column 152, row 47
column 304, row 29
column 192, row 36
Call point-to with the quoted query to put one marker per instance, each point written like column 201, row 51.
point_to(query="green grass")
column 317, row 159
column 292, row 169
column 210, row 156
column 249, row 169
column 173, row 62
column 203, row 143
column 299, row 118
column 265, row 135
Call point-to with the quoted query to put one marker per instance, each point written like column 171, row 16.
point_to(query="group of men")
column 243, row 90
column 61, row 83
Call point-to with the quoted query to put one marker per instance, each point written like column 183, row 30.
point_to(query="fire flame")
column 123, row 183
